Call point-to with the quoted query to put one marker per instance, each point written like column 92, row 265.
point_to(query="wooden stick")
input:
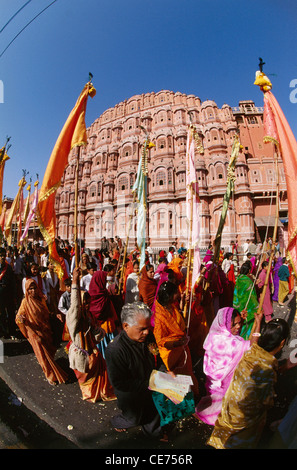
column 272, row 245
column 77, row 254
column 126, row 247
column 186, row 310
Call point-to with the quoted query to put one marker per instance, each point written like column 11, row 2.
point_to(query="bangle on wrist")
column 256, row 334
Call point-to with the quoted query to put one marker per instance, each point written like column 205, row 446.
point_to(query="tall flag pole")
column 20, row 214
column 278, row 132
column 32, row 212
column 193, row 213
column 140, row 190
column 27, row 207
column 3, row 159
column 72, row 135
column 236, row 148
column 13, row 211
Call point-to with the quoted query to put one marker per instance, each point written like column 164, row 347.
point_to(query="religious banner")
column 3, row 158
column 13, row 211
column 140, row 190
column 236, row 147
column 278, row 131
column 192, row 202
column 31, row 215
column 73, row 134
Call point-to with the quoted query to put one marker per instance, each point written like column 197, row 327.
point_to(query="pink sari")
column 223, row 351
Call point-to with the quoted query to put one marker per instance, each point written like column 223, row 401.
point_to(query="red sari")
column 101, row 306
column 33, row 321
column 147, row 288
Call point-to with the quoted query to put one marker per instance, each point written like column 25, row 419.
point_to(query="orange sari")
column 33, row 321
column 95, row 384
column 170, row 326
column 175, row 266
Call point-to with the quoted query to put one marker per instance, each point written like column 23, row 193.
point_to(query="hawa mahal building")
column 108, row 167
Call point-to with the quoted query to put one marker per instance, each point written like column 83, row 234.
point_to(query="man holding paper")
column 131, row 358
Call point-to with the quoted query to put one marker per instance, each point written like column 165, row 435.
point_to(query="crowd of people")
column 120, row 322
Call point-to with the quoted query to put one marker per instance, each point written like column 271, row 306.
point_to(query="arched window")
column 123, row 183
column 162, row 143
column 93, row 191
column 127, row 151
column 220, row 172
column 161, row 178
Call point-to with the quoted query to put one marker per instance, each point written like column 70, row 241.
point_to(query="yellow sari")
column 249, row 396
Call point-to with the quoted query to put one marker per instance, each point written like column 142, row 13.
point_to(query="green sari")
column 242, row 292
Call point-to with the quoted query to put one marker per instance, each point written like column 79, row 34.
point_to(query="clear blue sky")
column 206, row 47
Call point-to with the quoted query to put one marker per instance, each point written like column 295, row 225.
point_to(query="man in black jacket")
column 129, row 364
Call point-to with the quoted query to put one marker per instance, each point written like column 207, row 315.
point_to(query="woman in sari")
column 251, row 391
column 209, row 254
column 33, row 320
column 224, row 348
column 175, row 265
column 245, row 298
column 101, row 308
column 277, row 265
column 267, row 304
column 83, row 264
column 84, row 358
column 147, row 285
column 170, row 334
column 161, row 275
column 198, row 327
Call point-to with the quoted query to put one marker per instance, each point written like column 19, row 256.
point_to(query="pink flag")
column 21, row 208
column 193, row 215
column 278, row 130
column 31, row 214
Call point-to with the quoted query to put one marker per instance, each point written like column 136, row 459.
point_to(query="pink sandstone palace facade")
column 108, row 167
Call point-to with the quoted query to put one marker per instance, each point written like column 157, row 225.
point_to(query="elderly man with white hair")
column 130, row 360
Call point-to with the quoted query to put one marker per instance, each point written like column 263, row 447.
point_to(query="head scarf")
column 36, row 312
column 100, row 301
column 175, row 266
column 147, row 288
column 223, row 350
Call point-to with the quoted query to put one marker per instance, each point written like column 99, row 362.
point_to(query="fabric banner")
column 140, row 189
column 19, row 218
column 3, row 158
column 13, row 212
column 72, row 135
column 288, row 152
column 230, row 188
column 278, row 131
column 192, row 204
column 31, row 213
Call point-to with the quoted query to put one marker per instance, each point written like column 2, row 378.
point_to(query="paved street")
column 37, row 415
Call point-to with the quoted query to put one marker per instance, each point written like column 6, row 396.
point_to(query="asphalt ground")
column 36, row 415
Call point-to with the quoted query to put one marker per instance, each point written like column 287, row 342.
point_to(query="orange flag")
column 278, row 131
column 3, row 158
column 13, row 211
column 72, row 135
